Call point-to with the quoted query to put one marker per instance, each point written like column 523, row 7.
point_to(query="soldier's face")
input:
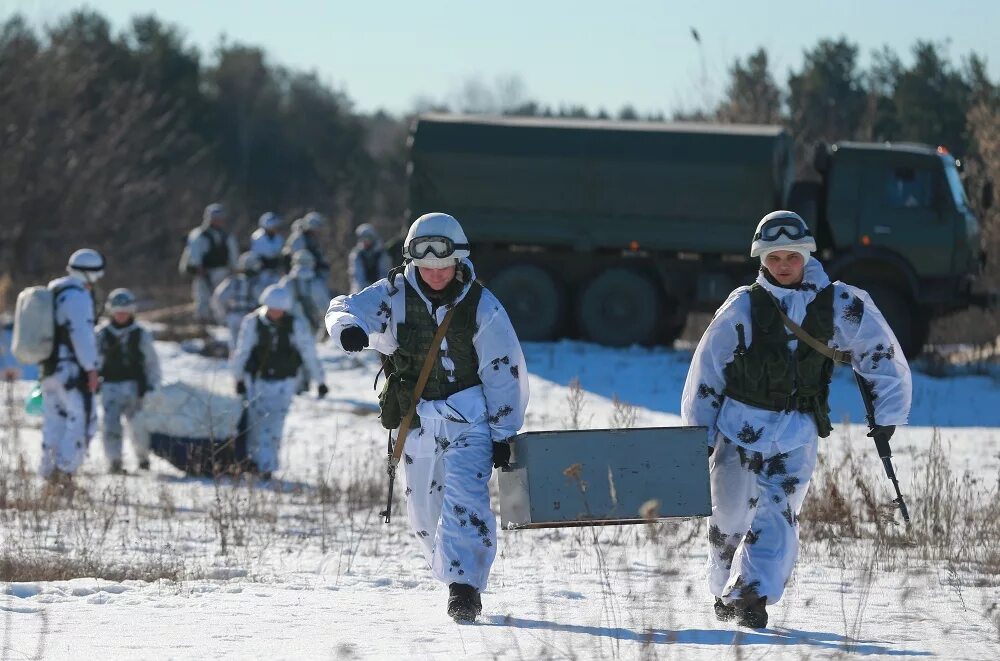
column 274, row 314
column 122, row 318
column 785, row 266
column 437, row 279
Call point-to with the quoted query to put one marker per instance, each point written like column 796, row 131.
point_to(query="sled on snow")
column 196, row 430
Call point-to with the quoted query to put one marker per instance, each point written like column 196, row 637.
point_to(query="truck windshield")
column 955, row 184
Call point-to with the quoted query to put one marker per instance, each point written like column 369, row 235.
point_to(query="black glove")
column 353, row 338
column 501, row 454
column 322, row 390
column 241, row 388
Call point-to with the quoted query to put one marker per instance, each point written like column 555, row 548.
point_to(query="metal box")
column 605, row 476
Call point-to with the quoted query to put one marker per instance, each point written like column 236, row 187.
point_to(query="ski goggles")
column 439, row 246
column 790, row 227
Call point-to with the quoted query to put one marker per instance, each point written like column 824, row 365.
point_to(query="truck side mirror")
column 821, row 157
column 987, row 200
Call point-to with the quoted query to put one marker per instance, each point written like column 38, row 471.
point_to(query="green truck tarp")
column 600, row 184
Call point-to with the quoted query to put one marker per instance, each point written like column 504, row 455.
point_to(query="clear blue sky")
column 598, row 54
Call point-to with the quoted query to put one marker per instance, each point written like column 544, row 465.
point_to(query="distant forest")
column 117, row 141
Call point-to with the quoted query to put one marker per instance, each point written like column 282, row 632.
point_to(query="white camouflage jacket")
column 302, row 340
column 378, row 310
column 859, row 327
column 75, row 310
column 151, row 362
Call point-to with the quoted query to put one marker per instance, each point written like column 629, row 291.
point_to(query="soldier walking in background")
column 69, row 375
column 237, row 295
column 210, row 255
column 129, row 370
column 304, row 237
column 368, row 260
column 267, row 243
column 310, row 294
column 273, row 344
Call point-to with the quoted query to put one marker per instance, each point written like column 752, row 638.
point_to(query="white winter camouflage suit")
column 356, row 260
column 448, row 459
column 233, row 299
column 311, row 295
column 269, row 247
column 122, row 398
column 70, row 413
column 269, row 399
column 763, row 460
column 202, row 286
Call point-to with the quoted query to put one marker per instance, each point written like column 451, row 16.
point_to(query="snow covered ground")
column 304, row 568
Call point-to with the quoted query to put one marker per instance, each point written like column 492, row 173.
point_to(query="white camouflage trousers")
column 69, row 420
column 201, row 291
column 122, row 399
column 233, row 321
column 447, row 462
column 269, row 403
column 754, row 529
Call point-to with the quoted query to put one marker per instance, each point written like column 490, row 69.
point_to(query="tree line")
column 118, row 140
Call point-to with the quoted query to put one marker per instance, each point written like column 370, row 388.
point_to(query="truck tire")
column 534, row 301
column 906, row 322
column 618, row 308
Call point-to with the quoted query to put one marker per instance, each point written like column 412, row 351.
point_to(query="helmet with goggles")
column 120, row 300
column 436, row 241
column 782, row 230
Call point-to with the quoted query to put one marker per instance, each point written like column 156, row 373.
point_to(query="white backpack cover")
column 34, row 333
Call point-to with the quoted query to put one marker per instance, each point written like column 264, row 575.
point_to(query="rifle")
column 387, row 512
column 881, row 444
column 396, row 451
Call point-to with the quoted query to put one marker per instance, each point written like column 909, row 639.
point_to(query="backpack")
column 34, row 336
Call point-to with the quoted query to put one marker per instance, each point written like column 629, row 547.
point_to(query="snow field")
column 304, row 567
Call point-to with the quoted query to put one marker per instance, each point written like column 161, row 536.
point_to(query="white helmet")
column 250, row 262
column 213, row 211
column 312, row 221
column 366, row 231
column 120, row 300
column 303, row 260
column 276, row 298
column 435, row 241
column 269, row 221
column 86, row 264
column 782, row 230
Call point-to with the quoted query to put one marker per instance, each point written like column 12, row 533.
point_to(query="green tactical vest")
column 274, row 357
column 123, row 359
column 768, row 376
column 414, row 336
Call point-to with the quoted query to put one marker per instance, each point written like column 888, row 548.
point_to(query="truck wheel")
column 533, row 299
column 618, row 308
column 898, row 310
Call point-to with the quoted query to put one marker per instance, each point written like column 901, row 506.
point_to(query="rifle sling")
column 835, row 355
column 418, row 390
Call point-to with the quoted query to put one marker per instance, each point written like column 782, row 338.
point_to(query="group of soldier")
column 760, row 392
column 271, row 298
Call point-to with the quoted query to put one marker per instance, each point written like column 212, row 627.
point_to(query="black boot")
column 723, row 611
column 751, row 611
column 116, row 467
column 464, row 603
column 144, row 464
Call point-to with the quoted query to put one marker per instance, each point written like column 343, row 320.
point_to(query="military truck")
column 614, row 231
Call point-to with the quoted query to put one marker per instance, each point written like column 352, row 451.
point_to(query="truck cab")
column 894, row 219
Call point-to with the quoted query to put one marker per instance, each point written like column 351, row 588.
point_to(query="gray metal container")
column 605, row 476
